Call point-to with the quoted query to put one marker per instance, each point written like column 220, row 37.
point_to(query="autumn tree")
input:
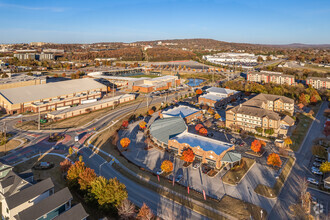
column 203, row 131
column 145, row 213
column 325, row 167
column 55, row 75
column 150, row 112
column 287, row 141
column 313, row 99
column 70, row 151
column 210, row 111
column 263, row 143
column 142, row 124
column 124, row 142
column 167, row 166
column 75, row 170
column 86, row 178
column 126, row 210
column 65, row 165
column 188, row 155
column 199, row 92
column 217, row 116
column 274, row 160
column 63, row 75
column 302, row 99
column 256, row 146
column 108, row 192
column 259, row 59
column 125, row 124
column 198, row 126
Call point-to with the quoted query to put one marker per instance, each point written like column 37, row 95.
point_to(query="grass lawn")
column 54, row 173
column 272, row 192
column 300, row 131
column 238, row 209
column 234, row 176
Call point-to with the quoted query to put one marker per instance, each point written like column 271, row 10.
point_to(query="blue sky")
column 85, row 21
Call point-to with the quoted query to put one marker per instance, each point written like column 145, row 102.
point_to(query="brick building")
column 216, row 97
column 187, row 113
column 318, row 82
column 270, row 77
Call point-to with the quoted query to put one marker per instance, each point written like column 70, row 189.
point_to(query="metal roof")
column 164, row 129
column 49, row 90
column 207, row 144
column 182, row 111
column 231, row 157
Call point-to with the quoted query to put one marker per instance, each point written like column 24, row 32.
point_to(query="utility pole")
column 5, row 134
column 113, row 95
column 147, row 101
column 39, row 118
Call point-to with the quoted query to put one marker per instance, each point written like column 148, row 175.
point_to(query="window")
column 7, row 210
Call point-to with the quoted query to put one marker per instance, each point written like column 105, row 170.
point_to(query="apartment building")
column 260, row 115
column 318, row 82
column 216, row 96
column 270, row 77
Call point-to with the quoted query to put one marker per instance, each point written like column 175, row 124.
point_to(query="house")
column 77, row 212
column 187, row 113
column 25, row 198
column 49, row 207
column 218, row 96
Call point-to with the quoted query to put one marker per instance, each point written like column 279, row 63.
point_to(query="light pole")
column 39, row 118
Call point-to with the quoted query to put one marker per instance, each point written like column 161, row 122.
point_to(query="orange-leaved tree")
column 198, row 126
column 167, row 166
column 188, row 155
column 124, row 142
column 142, row 124
column 145, row 213
column 150, row 112
column 210, row 111
column 203, row 131
column 217, row 116
column 75, row 170
column 274, row 160
column 65, row 165
column 256, row 146
column 125, row 124
column 86, row 178
column 263, row 143
column 199, row 91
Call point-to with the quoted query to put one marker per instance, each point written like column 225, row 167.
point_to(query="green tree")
column 108, row 192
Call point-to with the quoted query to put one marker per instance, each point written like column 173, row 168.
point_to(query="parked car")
column 196, row 164
column 242, row 144
column 179, row 178
column 319, row 160
column 316, row 164
column 315, row 168
column 312, row 181
column 159, row 172
column 317, row 172
column 205, row 169
column 210, row 135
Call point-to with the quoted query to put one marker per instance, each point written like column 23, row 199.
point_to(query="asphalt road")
column 291, row 191
column 164, row 208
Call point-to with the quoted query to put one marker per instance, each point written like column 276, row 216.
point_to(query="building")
column 270, row 77
column 216, row 96
column 207, row 150
column 25, row 198
column 318, row 82
column 187, row 113
column 25, row 56
column 172, row 134
column 46, row 56
column 50, row 96
column 20, row 80
column 260, row 115
column 21, row 199
column 77, row 212
column 147, row 85
column 89, row 107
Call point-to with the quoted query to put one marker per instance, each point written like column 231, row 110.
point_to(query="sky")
column 86, row 21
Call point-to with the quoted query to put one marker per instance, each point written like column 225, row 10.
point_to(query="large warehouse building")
column 50, row 96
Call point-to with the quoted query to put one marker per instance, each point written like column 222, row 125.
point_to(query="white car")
column 312, row 181
column 76, row 138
